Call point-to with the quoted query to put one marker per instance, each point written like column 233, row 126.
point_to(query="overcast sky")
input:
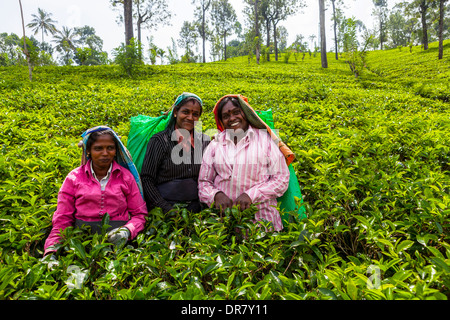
column 100, row 15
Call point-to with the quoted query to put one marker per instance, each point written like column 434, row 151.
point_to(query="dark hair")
column 223, row 102
column 95, row 135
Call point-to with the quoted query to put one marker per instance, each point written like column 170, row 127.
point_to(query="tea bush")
column 372, row 159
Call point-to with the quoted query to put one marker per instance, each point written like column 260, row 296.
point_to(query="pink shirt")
column 81, row 197
column 255, row 165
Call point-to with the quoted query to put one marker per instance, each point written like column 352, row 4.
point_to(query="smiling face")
column 188, row 114
column 233, row 117
column 103, row 151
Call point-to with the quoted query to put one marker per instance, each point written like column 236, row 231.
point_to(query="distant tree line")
column 78, row 45
column 261, row 35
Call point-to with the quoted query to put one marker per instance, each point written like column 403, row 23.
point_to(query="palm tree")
column 160, row 52
column 65, row 42
column 43, row 22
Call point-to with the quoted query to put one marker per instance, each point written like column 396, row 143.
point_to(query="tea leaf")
column 77, row 246
column 404, row 245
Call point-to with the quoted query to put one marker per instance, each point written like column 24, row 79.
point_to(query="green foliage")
column 129, row 57
column 354, row 56
column 372, row 159
column 416, row 71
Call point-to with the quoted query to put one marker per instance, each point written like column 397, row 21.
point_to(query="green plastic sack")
column 142, row 128
column 288, row 203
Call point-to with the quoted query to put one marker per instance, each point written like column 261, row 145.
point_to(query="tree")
column 128, row 57
column 354, row 57
column 216, row 47
column 152, row 48
column 126, row 18
column 312, row 37
column 299, row 46
column 323, row 40
column 9, row 54
column 90, row 51
column 336, row 48
column 419, row 9
column 338, row 22
column 398, row 29
column 12, row 48
column 188, row 39
column 42, row 22
column 257, row 35
column 282, row 35
column 87, row 37
column 65, row 44
column 253, row 14
column 155, row 52
column 266, row 16
column 233, row 48
column 25, row 50
column 441, row 28
column 150, row 14
column 172, row 51
column 160, row 53
column 200, row 13
column 380, row 12
column 224, row 20
column 423, row 7
column 281, row 10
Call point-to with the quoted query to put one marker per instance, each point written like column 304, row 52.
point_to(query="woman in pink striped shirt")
column 243, row 164
column 107, row 183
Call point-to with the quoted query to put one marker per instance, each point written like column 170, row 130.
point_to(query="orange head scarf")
column 255, row 121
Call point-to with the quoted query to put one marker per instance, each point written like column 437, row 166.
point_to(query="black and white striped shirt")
column 162, row 164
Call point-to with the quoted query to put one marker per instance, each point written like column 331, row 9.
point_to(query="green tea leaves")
column 372, row 160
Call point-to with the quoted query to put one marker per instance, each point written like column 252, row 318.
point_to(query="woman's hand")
column 222, row 202
column 117, row 234
column 243, row 201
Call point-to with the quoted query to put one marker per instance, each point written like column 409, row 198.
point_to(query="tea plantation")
column 372, row 159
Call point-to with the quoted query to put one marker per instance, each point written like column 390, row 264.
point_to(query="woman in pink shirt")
column 107, row 182
column 243, row 164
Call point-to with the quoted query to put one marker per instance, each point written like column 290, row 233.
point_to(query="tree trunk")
column 268, row 39
column 138, row 25
column 441, row 28
column 225, row 46
column 128, row 20
column 204, row 36
column 335, row 31
column 423, row 12
column 275, row 42
column 381, row 34
column 257, row 32
column 25, row 49
column 323, row 41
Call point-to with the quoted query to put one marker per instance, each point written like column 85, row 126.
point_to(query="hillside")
column 372, row 159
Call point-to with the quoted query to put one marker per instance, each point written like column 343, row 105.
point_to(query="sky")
column 100, row 15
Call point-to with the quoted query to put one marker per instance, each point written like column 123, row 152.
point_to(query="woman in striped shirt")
column 243, row 164
column 106, row 183
column 172, row 161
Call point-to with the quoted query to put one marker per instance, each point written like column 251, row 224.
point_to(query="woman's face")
column 233, row 117
column 103, row 151
column 188, row 114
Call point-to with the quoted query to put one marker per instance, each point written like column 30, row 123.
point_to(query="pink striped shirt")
column 81, row 197
column 255, row 166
